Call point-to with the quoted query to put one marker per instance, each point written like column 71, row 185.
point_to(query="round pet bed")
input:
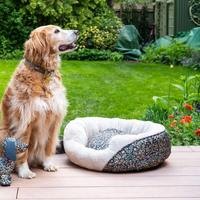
column 116, row 145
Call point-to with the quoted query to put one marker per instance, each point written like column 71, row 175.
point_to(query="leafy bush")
column 93, row 37
column 181, row 117
column 102, row 31
column 18, row 18
column 156, row 113
column 15, row 54
column 173, row 54
column 81, row 54
column 13, row 31
column 93, row 54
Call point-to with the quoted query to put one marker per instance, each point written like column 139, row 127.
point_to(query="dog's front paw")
column 25, row 172
column 50, row 168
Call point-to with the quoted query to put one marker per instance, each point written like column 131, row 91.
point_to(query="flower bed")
column 181, row 116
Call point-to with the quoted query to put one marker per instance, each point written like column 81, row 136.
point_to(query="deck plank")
column 109, row 181
column 8, row 193
column 132, row 198
column 177, row 179
column 166, row 170
column 110, row 192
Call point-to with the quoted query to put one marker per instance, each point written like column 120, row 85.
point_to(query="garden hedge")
column 19, row 17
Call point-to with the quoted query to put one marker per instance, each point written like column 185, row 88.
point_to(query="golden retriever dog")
column 34, row 103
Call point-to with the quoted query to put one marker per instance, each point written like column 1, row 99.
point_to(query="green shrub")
column 156, row 114
column 101, row 32
column 18, row 18
column 93, row 37
column 81, row 54
column 93, row 54
column 173, row 54
column 13, row 27
column 15, row 54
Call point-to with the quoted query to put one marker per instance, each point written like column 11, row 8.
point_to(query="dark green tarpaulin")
column 163, row 41
column 191, row 38
column 128, row 42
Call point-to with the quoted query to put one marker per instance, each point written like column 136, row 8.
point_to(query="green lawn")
column 108, row 89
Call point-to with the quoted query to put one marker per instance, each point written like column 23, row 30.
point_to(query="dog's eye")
column 57, row 31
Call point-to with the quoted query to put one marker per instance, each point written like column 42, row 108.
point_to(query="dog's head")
column 47, row 40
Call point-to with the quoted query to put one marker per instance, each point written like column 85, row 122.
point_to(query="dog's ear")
column 10, row 148
column 37, row 46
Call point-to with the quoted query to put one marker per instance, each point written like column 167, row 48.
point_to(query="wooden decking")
column 178, row 178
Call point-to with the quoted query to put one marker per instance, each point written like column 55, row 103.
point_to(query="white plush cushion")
column 78, row 133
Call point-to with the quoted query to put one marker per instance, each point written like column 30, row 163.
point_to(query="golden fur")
column 34, row 103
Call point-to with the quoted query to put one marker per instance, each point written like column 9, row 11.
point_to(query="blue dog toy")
column 10, row 147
